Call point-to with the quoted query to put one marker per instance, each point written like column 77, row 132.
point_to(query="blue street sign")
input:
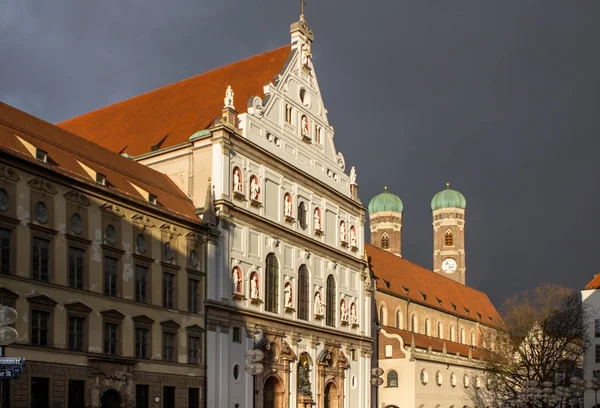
column 12, row 361
column 18, row 370
column 7, row 374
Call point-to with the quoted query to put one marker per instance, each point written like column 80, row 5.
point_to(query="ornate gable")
column 8, row 295
column 170, row 324
column 112, row 209
column 143, row 221
column 42, row 185
column 143, row 319
column 113, row 314
column 42, row 300
column 8, row 173
column 77, row 198
column 78, row 306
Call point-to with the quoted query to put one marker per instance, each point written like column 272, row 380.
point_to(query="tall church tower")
column 448, row 211
column 385, row 216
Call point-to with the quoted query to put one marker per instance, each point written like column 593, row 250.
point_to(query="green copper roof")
column 448, row 199
column 199, row 134
column 385, row 202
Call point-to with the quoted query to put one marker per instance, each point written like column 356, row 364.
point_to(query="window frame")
column 169, row 327
column 331, row 310
column 392, row 379
column 80, row 311
column 303, row 293
column 113, row 316
column 271, row 283
column 195, row 332
column 142, row 324
column 38, row 275
column 42, row 304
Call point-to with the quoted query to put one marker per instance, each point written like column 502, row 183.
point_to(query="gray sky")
column 500, row 98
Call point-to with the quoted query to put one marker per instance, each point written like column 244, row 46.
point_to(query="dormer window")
column 438, row 301
column 478, row 315
column 41, row 155
column 466, row 310
column 405, row 289
column 101, row 179
column 152, row 199
column 453, row 306
column 423, row 295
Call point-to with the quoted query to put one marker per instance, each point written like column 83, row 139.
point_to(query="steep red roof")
column 594, row 283
column 66, row 149
column 397, row 276
column 177, row 111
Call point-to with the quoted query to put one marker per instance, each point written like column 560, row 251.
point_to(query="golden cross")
column 303, row 3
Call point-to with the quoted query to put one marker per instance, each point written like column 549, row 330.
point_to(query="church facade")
column 433, row 329
column 288, row 298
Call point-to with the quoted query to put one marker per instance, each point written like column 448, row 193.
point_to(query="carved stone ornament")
column 8, row 173
column 228, row 100
column 257, row 108
column 341, row 161
column 143, row 221
column 112, row 209
column 77, row 198
column 42, row 185
column 170, row 230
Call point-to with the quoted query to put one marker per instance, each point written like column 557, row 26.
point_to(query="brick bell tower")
column 385, row 219
column 448, row 212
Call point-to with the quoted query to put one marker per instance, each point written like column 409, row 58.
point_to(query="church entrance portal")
column 272, row 393
column 331, row 396
column 110, row 399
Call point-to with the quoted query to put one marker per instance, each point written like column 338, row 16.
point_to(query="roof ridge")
column 169, row 85
column 79, row 154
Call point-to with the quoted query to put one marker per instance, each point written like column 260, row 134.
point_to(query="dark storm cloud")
column 498, row 98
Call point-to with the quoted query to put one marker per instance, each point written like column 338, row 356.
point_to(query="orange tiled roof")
column 424, row 342
column 65, row 149
column 177, row 111
column 594, row 283
column 397, row 276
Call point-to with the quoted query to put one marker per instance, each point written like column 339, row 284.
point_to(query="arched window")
column 462, row 336
column 302, row 215
column 385, row 241
column 452, row 334
column 382, row 317
column 392, row 379
column 330, row 318
column 448, row 238
column 398, row 319
column 272, row 284
column 303, row 295
column 413, row 323
column 440, row 331
column 427, row 328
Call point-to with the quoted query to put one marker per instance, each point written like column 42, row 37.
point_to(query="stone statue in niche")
column 352, row 236
column 237, row 180
column 317, row 219
column 236, row 279
column 228, row 101
column 343, row 231
column 303, row 376
column 306, row 55
column 305, row 129
column 343, row 311
column 288, row 205
column 254, row 189
column 254, row 286
column 353, row 175
column 318, row 304
column 353, row 314
column 287, row 294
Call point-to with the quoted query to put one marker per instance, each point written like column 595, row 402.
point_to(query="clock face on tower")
column 449, row 265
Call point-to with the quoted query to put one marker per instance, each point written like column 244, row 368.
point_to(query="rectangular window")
column 168, row 346
column 288, row 114
column 193, row 295
column 142, row 396
column 168, row 397
column 597, row 327
column 40, row 328
column 40, row 392
column 141, row 284
column 318, row 130
column 597, row 353
column 193, row 350
column 76, row 333
column 193, row 397
column 110, row 275
column 141, row 342
column 4, row 251
column 168, row 290
column 40, row 264
column 237, row 335
column 111, row 338
column 76, row 268
column 76, row 394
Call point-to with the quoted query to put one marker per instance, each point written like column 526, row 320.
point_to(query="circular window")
column 41, row 212
column 140, row 243
column 236, row 371
column 438, row 378
column 453, row 380
column 168, row 251
column 110, row 234
column 424, row 377
column 3, row 200
column 193, row 259
column 466, row 381
column 76, row 224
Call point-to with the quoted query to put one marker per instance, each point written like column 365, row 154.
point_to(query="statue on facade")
column 353, row 314
column 353, row 175
column 237, row 281
column 288, row 205
column 305, row 129
column 343, row 231
column 254, row 188
column 317, row 218
column 318, row 303
column 343, row 311
column 303, row 373
column 306, row 55
column 237, row 180
column 352, row 236
column 254, row 286
column 228, row 101
column 287, row 295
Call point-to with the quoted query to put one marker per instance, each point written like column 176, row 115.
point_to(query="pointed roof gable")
column 408, row 280
column 594, row 283
column 171, row 114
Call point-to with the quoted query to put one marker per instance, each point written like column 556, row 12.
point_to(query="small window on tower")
column 448, row 239
column 385, row 241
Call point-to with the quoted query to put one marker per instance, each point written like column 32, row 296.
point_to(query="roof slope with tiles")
column 399, row 277
column 66, row 150
column 170, row 115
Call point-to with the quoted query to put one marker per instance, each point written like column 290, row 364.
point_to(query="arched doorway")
column 332, row 396
column 110, row 399
column 272, row 393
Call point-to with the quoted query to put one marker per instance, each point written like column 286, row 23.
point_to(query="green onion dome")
column 385, row 202
column 448, row 199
